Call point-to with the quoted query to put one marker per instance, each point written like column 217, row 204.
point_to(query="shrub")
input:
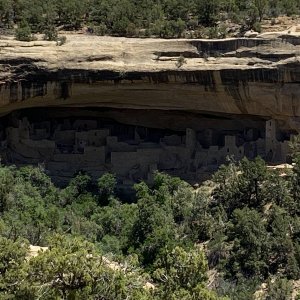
column 222, row 31
column 213, row 33
column 106, row 185
column 50, row 33
column 280, row 289
column 257, row 27
column 23, row 32
column 101, row 29
column 273, row 21
column 168, row 29
column 61, row 40
column 206, row 56
column 131, row 30
column 180, row 61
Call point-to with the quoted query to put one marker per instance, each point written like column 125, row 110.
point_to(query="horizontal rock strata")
column 228, row 88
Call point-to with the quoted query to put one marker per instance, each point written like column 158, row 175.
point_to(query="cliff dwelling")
column 185, row 144
column 126, row 106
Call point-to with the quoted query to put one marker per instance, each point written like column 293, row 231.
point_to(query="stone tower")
column 271, row 141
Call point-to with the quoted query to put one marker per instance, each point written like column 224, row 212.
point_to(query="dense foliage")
column 243, row 226
column 164, row 18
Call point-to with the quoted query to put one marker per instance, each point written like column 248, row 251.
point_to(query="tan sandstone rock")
column 246, row 76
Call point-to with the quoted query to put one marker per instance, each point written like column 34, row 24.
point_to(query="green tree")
column 116, row 221
column 50, row 33
column 240, row 184
column 182, row 273
column 74, row 269
column 37, row 178
column 23, row 32
column 78, row 218
column 6, row 13
column 31, row 12
column 279, row 289
column 106, row 186
column 27, row 215
column 207, row 11
column 249, row 255
column 148, row 236
column 282, row 248
column 289, row 7
column 12, row 273
column 6, row 184
column 71, row 13
column 198, row 220
column 261, row 6
column 78, row 185
column 157, row 205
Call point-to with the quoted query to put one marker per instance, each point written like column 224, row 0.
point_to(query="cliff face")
column 237, row 76
column 135, row 105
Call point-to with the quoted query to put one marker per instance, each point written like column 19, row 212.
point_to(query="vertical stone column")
column 190, row 140
column 271, row 141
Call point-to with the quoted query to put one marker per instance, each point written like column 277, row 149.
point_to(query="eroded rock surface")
column 257, row 76
column 180, row 106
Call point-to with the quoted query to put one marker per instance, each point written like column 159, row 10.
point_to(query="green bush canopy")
column 163, row 18
column 243, row 226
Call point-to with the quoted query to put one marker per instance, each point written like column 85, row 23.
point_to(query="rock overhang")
column 255, row 76
column 180, row 106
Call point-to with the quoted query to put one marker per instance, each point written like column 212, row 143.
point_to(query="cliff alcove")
column 132, row 106
column 134, row 143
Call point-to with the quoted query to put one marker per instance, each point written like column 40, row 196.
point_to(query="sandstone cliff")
column 256, row 76
column 132, row 106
